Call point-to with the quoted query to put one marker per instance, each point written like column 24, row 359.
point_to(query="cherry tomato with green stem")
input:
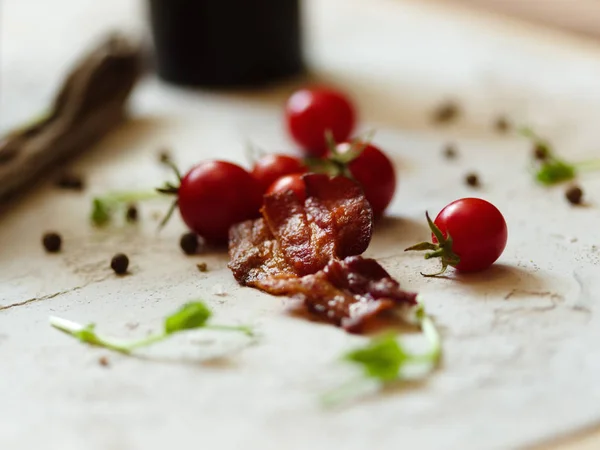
column 213, row 196
column 469, row 234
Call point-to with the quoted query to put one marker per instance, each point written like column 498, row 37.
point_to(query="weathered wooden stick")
column 90, row 103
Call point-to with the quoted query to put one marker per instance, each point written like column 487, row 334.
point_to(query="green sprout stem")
column 588, row 166
column 237, row 328
column 549, row 169
column 103, row 208
column 193, row 315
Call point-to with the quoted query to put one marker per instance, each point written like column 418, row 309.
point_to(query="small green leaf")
column 191, row 315
column 87, row 334
column 555, row 171
column 382, row 358
column 101, row 213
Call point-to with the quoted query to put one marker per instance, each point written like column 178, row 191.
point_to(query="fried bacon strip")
column 347, row 292
column 306, row 250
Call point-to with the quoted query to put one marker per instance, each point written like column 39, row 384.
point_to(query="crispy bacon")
column 306, row 250
column 347, row 292
column 255, row 254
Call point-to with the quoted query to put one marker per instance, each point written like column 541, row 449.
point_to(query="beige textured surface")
column 521, row 362
column 581, row 16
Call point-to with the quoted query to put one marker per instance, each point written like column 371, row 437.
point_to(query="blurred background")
column 404, row 57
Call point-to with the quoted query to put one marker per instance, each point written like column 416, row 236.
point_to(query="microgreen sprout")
column 105, row 207
column 385, row 358
column 549, row 168
column 192, row 315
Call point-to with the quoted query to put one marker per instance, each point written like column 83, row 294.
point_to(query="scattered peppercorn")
column 574, row 195
column 472, row 180
column 202, row 267
column 52, row 242
column 119, row 263
column 189, row 243
column 164, row 156
column 446, row 112
column 69, row 181
column 502, row 124
column 450, row 151
column 103, row 361
column 540, row 152
column 132, row 213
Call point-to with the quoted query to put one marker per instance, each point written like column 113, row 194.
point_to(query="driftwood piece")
column 90, row 103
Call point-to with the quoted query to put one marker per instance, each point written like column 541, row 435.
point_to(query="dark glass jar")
column 226, row 42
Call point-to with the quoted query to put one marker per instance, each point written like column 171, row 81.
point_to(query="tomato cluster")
column 214, row 195
column 469, row 234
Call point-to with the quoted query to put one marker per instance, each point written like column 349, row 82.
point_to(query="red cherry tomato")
column 215, row 195
column 374, row 171
column 270, row 168
column 293, row 183
column 478, row 231
column 311, row 112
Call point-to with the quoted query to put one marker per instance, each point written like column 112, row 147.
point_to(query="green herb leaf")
column 191, row 315
column 101, row 214
column 103, row 208
column 554, row 171
column 382, row 358
column 550, row 169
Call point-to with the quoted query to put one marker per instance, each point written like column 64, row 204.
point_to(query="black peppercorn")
column 446, row 112
column 450, row 151
column 574, row 195
column 52, row 242
column 132, row 213
column 472, row 180
column 540, row 152
column 103, row 361
column 164, row 156
column 502, row 124
column 189, row 243
column 119, row 263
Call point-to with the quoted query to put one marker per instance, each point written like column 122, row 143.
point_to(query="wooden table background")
column 521, row 362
